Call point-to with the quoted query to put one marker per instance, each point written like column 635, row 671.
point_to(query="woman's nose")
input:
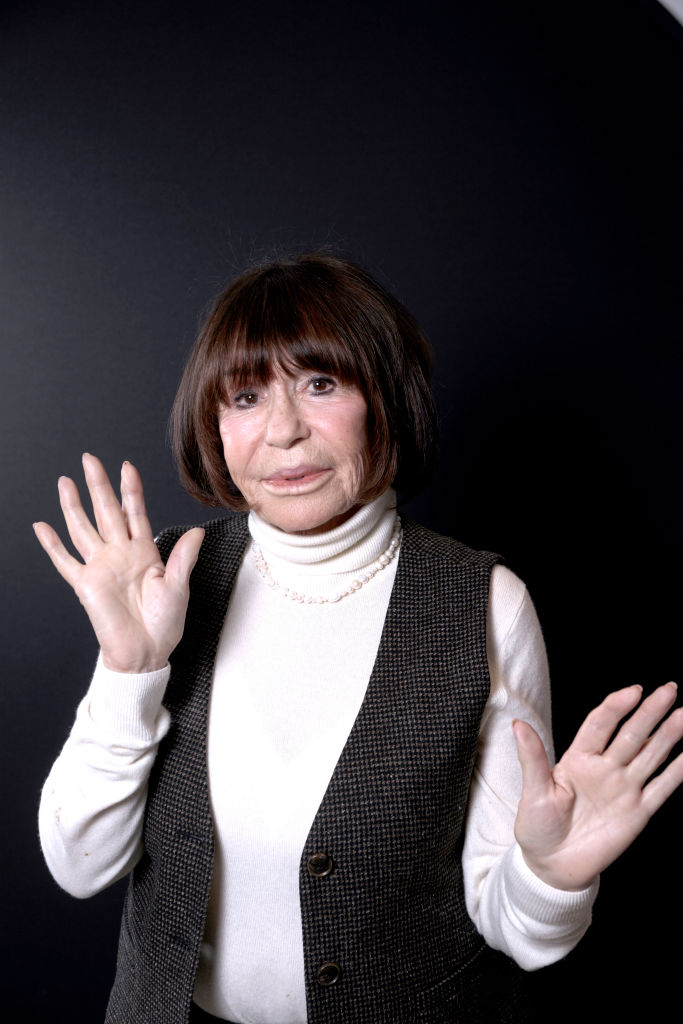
column 285, row 424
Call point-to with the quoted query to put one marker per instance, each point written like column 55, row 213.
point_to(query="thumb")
column 536, row 773
column 184, row 556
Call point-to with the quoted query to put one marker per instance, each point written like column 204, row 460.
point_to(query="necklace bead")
column 385, row 559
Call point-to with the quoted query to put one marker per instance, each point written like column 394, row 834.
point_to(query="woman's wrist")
column 544, row 872
column 141, row 665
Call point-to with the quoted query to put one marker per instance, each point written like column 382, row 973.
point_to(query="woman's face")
column 295, row 448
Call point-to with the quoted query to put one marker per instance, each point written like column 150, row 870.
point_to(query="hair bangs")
column 256, row 349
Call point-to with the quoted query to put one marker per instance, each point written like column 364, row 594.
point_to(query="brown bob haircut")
column 312, row 312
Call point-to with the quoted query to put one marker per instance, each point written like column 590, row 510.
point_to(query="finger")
column 658, row 746
column 536, row 774
column 66, row 565
column 661, row 788
column 183, row 558
column 133, row 501
column 109, row 517
column 83, row 534
column 598, row 728
column 633, row 735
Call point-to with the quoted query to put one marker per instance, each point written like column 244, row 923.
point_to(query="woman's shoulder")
column 509, row 598
column 437, row 545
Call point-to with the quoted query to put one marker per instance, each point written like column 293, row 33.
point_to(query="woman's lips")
column 295, row 478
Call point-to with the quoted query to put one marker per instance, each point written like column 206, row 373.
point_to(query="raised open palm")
column 136, row 604
column 576, row 819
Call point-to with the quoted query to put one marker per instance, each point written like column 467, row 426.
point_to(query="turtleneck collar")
column 347, row 548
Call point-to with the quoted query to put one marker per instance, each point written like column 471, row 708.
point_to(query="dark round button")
column 320, row 864
column 328, row 973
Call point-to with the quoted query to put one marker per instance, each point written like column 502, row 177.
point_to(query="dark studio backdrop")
column 512, row 171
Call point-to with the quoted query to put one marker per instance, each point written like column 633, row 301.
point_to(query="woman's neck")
column 346, row 548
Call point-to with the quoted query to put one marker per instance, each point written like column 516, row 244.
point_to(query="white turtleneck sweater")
column 289, row 680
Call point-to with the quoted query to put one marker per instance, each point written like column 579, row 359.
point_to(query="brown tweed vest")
column 387, row 938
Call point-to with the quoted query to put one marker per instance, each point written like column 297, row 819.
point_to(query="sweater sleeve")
column 93, row 801
column 512, row 908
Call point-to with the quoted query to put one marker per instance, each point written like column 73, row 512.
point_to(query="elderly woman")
column 329, row 772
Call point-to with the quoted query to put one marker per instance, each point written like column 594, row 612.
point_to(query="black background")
column 512, row 171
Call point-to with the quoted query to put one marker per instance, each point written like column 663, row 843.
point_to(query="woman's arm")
column 537, row 837
column 93, row 801
column 513, row 909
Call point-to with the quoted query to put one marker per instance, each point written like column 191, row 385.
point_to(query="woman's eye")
column 321, row 385
column 245, row 399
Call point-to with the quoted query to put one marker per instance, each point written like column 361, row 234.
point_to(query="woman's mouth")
column 295, row 478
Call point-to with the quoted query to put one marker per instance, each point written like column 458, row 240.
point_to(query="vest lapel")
column 183, row 755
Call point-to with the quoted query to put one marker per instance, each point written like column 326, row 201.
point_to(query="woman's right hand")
column 136, row 604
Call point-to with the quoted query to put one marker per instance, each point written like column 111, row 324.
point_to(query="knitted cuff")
column 537, row 901
column 127, row 707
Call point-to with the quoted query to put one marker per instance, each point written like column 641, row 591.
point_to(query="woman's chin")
column 299, row 515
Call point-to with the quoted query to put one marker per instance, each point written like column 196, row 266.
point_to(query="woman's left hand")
column 575, row 819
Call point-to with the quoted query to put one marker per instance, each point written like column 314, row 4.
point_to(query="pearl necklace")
column 385, row 559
